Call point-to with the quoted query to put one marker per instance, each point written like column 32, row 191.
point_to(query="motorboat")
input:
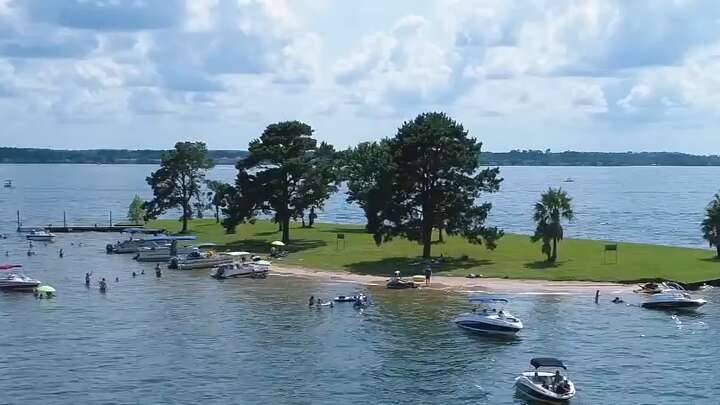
column 488, row 316
column 7, row 184
column 237, row 269
column 345, row 298
column 40, row 234
column 135, row 244
column 162, row 249
column 673, row 299
column 198, row 259
column 547, row 383
column 16, row 281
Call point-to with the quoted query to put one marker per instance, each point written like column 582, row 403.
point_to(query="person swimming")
column 133, row 274
column 617, row 300
column 117, row 279
column 311, row 301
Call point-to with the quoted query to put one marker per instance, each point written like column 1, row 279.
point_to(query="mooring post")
column 110, row 218
column 19, row 225
column 64, row 219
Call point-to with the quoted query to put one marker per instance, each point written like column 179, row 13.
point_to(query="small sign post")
column 613, row 251
column 340, row 237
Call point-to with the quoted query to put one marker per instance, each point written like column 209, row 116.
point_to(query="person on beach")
column 311, row 301
column 428, row 274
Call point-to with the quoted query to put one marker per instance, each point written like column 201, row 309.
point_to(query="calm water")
column 637, row 204
column 188, row 339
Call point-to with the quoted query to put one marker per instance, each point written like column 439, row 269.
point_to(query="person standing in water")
column 103, row 285
column 87, row 279
column 311, row 301
column 61, row 253
column 428, row 274
column 158, row 271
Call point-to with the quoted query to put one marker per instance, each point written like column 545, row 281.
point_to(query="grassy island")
column 515, row 257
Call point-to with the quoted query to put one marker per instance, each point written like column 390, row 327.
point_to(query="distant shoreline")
column 230, row 157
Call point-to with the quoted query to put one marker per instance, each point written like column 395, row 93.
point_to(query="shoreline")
column 463, row 285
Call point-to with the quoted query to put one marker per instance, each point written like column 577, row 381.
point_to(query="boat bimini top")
column 538, row 362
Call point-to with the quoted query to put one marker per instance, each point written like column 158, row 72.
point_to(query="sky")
column 588, row 75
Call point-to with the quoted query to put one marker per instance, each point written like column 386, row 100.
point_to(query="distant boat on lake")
column 568, row 180
column 7, row 184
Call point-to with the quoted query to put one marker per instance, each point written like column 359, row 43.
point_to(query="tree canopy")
column 179, row 180
column 554, row 206
column 218, row 193
column 427, row 176
column 285, row 174
column 711, row 224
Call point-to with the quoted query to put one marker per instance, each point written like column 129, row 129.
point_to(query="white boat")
column 241, row 269
column 551, row 384
column 161, row 253
column 488, row 316
column 40, row 234
column 16, row 281
column 135, row 244
column 673, row 299
column 199, row 260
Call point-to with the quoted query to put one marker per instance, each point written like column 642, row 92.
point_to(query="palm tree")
column 711, row 224
column 553, row 207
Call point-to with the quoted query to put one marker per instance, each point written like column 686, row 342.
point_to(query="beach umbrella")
column 277, row 243
column 45, row 289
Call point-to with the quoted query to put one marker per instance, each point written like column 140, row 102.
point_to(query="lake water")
column 187, row 339
column 661, row 205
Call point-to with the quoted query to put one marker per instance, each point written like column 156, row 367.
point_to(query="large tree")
column 284, row 174
column 136, row 210
column 217, row 194
column 179, row 180
column 428, row 174
column 554, row 206
column 711, row 224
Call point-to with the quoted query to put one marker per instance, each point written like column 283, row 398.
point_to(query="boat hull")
column 674, row 304
column 528, row 389
column 249, row 274
column 488, row 328
column 29, row 286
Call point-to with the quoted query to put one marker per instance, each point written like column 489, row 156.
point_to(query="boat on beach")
column 15, row 280
column 547, row 383
column 488, row 316
column 243, row 265
column 40, row 235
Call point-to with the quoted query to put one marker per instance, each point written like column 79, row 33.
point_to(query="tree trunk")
column 286, row 229
column 311, row 217
column 184, row 219
column 554, row 250
column 717, row 247
column 303, row 221
column 440, row 235
column 217, row 214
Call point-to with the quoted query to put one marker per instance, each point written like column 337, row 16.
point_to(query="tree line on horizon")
column 426, row 180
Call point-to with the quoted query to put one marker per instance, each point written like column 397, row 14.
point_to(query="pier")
column 69, row 228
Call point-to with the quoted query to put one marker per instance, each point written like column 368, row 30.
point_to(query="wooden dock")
column 92, row 228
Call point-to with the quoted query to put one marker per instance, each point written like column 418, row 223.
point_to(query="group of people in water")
column 103, row 285
column 359, row 301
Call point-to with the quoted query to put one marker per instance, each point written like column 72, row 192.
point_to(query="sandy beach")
column 460, row 284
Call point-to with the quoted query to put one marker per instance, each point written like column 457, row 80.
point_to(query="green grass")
column 515, row 257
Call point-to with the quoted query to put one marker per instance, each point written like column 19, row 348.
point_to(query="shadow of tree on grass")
column 409, row 266
column 542, row 264
column 714, row 259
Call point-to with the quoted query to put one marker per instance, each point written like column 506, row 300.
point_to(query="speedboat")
column 673, row 298
column 551, row 384
column 488, row 316
column 650, row 288
column 40, row 234
column 16, row 281
column 240, row 270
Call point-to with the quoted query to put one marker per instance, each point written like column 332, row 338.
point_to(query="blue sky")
column 608, row 75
